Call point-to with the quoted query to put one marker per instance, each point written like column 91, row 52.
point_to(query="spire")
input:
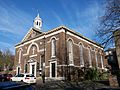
column 38, row 22
column 38, row 17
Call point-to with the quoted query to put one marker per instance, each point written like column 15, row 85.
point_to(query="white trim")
column 33, row 55
column 55, row 69
column 20, row 49
column 33, row 63
column 41, row 50
column 19, row 55
column 96, row 58
column 33, row 43
column 70, row 51
column 53, row 47
column 52, row 59
column 56, row 32
column 70, row 39
column 89, row 57
column 81, row 55
column 55, row 78
column 101, row 59
column 68, row 65
column 27, row 34
column 41, row 37
column 51, row 34
column 83, row 40
column 47, row 66
column 51, row 39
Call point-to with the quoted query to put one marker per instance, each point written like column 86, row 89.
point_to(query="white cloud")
column 13, row 21
column 7, row 46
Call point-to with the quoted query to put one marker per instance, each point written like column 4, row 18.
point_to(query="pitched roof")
column 53, row 30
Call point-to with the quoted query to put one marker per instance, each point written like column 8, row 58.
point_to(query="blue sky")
column 16, row 17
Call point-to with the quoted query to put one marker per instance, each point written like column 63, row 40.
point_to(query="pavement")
column 62, row 85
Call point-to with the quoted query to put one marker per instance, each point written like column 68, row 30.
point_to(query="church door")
column 53, row 69
column 18, row 70
column 33, row 68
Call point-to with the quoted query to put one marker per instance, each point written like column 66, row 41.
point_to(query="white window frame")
column 33, row 63
column 81, row 55
column 55, row 69
column 96, row 58
column 53, row 47
column 70, row 52
column 101, row 59
column 20, row 56
column 89, row 55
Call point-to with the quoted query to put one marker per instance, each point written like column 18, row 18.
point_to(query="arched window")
column 37, row 22
column 53, row 46
column 96, row 58
column 89, row 55
column 70, row 52
column 33, row 49
column 81, row 56
column 25, row 68
column 20, row 55
column 101, row 58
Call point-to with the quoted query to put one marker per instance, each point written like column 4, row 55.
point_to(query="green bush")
column 92, row 74
column 95, row 74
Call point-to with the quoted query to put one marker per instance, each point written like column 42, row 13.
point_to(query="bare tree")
column 109, row 23
column 6, row 60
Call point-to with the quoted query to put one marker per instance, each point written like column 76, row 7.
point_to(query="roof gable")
column 31, row 34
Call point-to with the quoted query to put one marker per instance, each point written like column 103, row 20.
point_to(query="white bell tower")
column 38, row 22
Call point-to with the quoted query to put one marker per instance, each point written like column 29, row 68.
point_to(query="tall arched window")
column 70, row 52
column 53, row 46
column 25, row 68
column 37, row 22
column 81, row 56
column 89, row 59
column 20, row 55
column 101, row 58
column 33, row 49
column 96, row 58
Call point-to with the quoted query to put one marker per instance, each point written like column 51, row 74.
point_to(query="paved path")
column 61, row 85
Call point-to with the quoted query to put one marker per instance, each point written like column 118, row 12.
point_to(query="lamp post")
column 40, row 71
column 43, row 68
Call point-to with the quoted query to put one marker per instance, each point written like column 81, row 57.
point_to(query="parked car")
column 5, row 77
column 27, row 78
column 18, row 77
column 0, row 77
column 8, row 77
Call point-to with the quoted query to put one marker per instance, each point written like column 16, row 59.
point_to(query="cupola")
column 38, row 22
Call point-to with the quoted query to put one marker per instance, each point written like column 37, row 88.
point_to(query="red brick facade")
column 35, row 50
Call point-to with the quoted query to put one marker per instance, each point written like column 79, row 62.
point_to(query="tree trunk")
column 117, row 44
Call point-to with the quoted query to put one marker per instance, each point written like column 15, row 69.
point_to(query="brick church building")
column 52, row 51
